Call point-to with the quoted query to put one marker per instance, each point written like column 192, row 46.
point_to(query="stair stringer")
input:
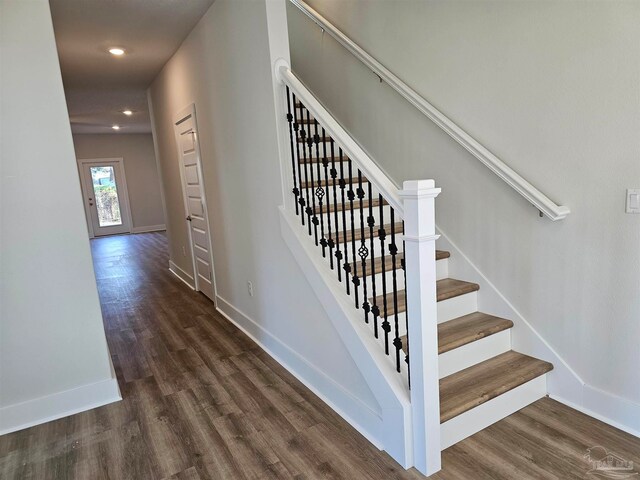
column 562, row 382
column 388, row 387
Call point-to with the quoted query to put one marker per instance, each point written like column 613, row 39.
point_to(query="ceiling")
column 98, row 85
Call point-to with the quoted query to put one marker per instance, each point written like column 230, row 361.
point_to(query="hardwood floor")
column 202, row 401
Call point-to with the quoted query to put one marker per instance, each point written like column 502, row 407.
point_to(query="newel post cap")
column 419, row 189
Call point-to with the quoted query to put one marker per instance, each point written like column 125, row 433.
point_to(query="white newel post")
column 420, row 250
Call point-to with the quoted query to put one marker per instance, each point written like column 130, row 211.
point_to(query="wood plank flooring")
column 202, row 401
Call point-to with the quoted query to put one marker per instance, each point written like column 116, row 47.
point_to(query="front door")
column 106, row 199
column 195, row 204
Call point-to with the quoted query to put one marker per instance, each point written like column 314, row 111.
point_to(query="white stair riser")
column 479, row 418
column 466, row 303
column 473, row 353
column 442, row 271
column 457, row 306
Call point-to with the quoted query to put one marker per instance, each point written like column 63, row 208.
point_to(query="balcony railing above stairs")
column 380, row 243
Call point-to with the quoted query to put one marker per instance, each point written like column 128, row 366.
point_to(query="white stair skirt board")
column 457, row 306
column 58, row 405
column 472, row 421
column 378, row 370
column 473, row 353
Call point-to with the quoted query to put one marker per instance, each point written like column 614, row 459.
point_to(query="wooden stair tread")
column 303, row 161
column 321, row 140
column 480, row 383
column 347, row 204
column 339, row 237
column 324, row 183
column 445, row 289
column 466, row 329
column 388, row 261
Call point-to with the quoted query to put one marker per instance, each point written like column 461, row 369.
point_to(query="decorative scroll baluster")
column 343, row 184
column 354, row 277
column 296, row 127
column 293, row 156
column 314, row 218
column 386, row 327
column 333, row 241
column 371, row 221
column 393, row 251
column 319, row 191
column 363, row 251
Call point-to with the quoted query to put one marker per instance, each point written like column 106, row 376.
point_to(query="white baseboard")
column 149, row 228
column 182, row 275
column 353, row 410
column 58, row 405
column 611, row 409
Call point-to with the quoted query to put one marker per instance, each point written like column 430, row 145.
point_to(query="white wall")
column 224, row 68
column 552, row 88
column 54, row 358
column 140, row 167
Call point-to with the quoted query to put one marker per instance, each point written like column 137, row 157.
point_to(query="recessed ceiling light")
column 116, row 127
column 116, row 51
column 128, row 113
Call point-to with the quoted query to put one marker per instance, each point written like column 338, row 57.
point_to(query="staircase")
column 358, row 227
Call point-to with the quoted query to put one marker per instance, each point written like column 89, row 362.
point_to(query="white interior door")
column 195, row 203
column 106, row 201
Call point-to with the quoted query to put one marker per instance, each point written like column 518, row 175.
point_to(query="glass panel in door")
column 105, row 190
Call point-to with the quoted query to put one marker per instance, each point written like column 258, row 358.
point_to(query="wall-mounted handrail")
column 543, row 203
column 368, row 167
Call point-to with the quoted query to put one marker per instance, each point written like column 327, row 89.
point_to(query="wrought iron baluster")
column 293, row 156
column 363, row 251
column 406, row 315
column 296, row 127
column 303, row 140
column 354, row 277
column 386, row 327
column 393, row 251
column 345, row 228
column 320, row 193
column 333, row 242
column 314, row 217
column 371, row 221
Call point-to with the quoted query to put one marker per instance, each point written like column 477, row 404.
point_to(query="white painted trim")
column 378, row 370
column 497, row 166
column 363, row 161
column 123, row 192
column 182, row 115
column 478, row 418
column 181, row 274
column 149, row 228
column 611, row 409
column 58, row 405
column 361, row 416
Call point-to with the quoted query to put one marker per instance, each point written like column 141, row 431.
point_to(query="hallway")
column 202, row 401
